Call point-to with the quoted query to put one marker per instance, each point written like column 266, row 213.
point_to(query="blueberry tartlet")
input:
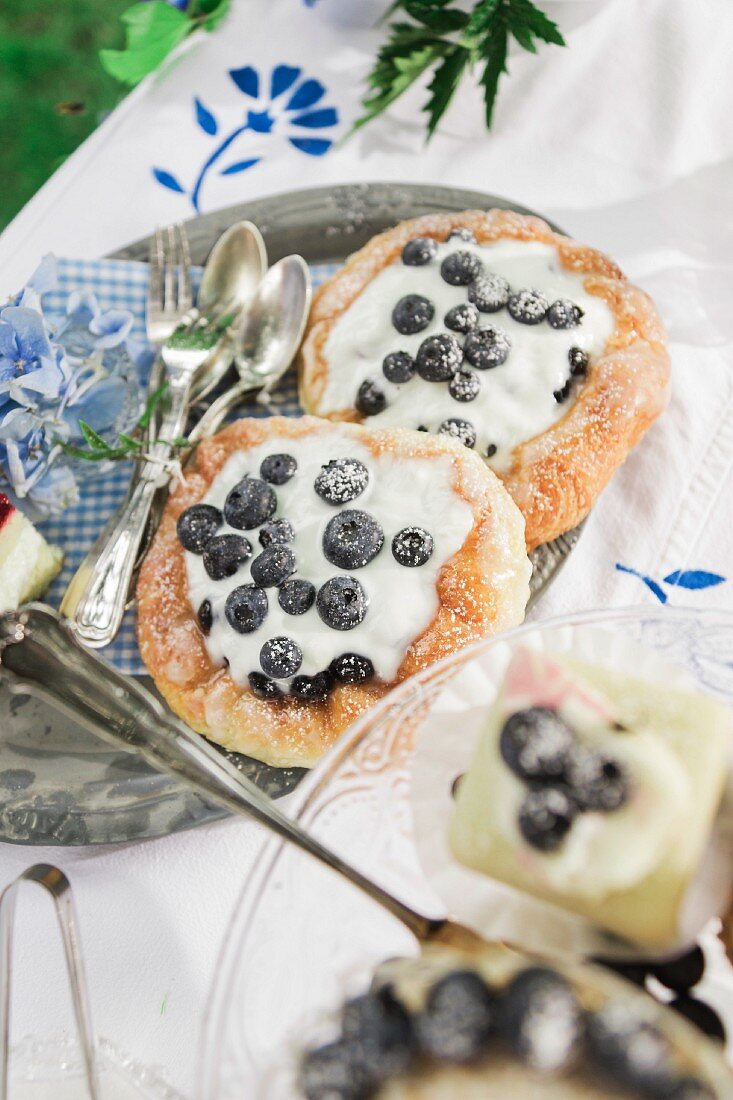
column 596, row 792
column 474, row 1026
column 490, row 328
column 303, row 568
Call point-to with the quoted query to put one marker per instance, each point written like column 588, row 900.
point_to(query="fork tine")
column 155, row 300
column 169, row 271
column 185, row 297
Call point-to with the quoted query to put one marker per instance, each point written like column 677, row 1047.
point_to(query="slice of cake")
column 27, row 563
column 596, row 792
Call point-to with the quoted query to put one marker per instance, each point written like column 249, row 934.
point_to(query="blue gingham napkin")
column 120, row 284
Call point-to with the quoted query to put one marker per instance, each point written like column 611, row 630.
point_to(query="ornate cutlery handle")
column 44, row 657
column 95, row 600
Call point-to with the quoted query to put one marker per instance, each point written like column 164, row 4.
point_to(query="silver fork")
column 96, row 598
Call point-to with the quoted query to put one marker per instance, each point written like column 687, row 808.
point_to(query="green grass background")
column 48, row 58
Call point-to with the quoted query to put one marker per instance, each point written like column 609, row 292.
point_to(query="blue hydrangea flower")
column 29, row 369
column 286, row 107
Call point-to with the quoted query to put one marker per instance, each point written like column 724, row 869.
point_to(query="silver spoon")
column 267, row 341
column 40, row 654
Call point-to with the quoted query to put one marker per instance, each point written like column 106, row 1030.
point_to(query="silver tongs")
column 56, row 884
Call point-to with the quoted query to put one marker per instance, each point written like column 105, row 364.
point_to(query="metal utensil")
column 267, row 341
column 95, row 600
column 58, row 886
column 40, row 654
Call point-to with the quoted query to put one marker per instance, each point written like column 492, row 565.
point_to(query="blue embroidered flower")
column 691, row 579
column 287, row 107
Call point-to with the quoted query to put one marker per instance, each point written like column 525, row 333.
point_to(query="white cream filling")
column 516, row 400
column 402, row 601
column 27, row 563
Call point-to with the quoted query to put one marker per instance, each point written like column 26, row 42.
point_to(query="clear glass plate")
column 302, row 938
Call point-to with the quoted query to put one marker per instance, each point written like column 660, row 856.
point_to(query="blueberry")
column 563, row 393
column 296, row 596
column 382, row 1031
column 277, row 530
column 464, row 386
column 682, row 973
column 689, row 1088
column 224, row 555
column 487, row 347
column 704, row 1017
column 250, row 504
column 334, row 1072
column 342, row 603
column 540, row 1018
column 272, row 566
column 312, row 689
column 352, row 538
column 491, row 450
column 263, row 687
column 536, row 744
column 277, row 469
column 197, row 525
column 489, row 293
column 419, row 251
column 341, row 480
column 578, row 360
column 458, row 1019
column 280, row 657
column 564, row 314
column 398, row 366
column 412, row 546
column 412, row 314
column 246, row 608
column 596, row 782
column 529, row 307
column 370, row 400
column 545, row 817
column 461, row 268
column 461, row 318
column 627, row 1048
column 460, row 233
column 438, row 357
column 462, row 430
column 205, row 617
column 351, row 668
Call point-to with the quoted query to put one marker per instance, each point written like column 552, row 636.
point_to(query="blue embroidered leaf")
column 648, row 581
column 693, row 578
column 240, row 166
column 168, row 181
column 283, row 77
column 246, row 80
column 314, row 120
column 315, row 147
column 309, row 92
column 205, row 119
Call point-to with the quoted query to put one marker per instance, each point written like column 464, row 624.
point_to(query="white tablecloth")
column 624, row 139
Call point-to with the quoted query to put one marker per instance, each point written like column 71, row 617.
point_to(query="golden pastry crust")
column 556, row 476
column 482, row 589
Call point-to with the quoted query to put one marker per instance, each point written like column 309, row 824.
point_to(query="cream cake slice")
column 595, row 792
column 28, row 564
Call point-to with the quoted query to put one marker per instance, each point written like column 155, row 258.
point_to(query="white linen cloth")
column 625, row 140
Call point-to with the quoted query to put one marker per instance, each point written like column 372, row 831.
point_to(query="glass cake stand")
column 302, row 939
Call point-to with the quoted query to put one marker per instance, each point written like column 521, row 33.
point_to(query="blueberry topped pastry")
column 596, row 792
column 562, row 360
column 455, row 1025
column 304, row 567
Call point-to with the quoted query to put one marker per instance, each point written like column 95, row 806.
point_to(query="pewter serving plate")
column 58, row 784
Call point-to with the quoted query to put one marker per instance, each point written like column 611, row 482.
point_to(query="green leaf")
column 525, row 19
column 494, row 53
column 446, row 79
column 94, row 439
column 151, row 405
column 153, row 29
column 211, row 13
column 437, row 19
column 405, row 71
column 130, row 443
